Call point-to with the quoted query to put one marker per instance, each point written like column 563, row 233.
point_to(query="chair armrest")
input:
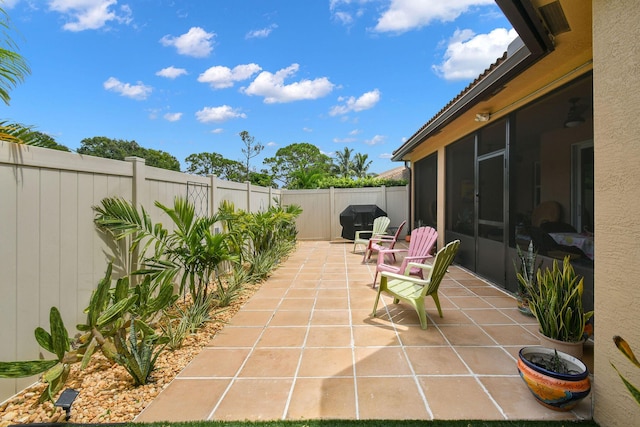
column 417, row 265
column 407, row 278
column 363, row 231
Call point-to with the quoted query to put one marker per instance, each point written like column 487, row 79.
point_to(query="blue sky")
column 187, row 76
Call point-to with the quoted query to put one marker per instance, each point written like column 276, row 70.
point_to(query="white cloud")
column 344, row 140
column 468, row 54
column 138, row 91
column 219, row 114
column 306, row 129
column 274, row 90
column 8, row 4
column 196, row 42
column 220, row 77
column 90, row 14
column 262, row 33
column 217, row 131
column 376, row 140
column 172, row 72
column 272, row 144
column 385, row 156
column 172, row 117
column 355, row 132
column 405, row 15
column 364, row 102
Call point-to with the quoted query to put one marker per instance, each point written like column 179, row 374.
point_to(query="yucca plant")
column 555, row 299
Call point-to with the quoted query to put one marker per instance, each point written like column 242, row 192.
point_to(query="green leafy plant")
column 527, row 271
column 138, row 351
column 191, row 251
column 628, row 353
column 55, row 372
column 555, row 299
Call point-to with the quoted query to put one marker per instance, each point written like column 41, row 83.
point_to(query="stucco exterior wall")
column 616, row 59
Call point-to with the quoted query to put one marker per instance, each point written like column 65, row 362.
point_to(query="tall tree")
column 215, row 164
column 118, row 149
column 343, row 165
column 251, row 149
column 361, row 164
column 295, row 160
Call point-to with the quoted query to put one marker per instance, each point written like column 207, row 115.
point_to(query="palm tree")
column 13, row 70
column 361, row 165
column 343, row 165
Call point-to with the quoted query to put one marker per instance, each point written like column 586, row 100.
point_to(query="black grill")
column 357, row 218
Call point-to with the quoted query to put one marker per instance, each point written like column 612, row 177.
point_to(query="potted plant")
column 555, row 299
column 557, row 380
column 527, row 272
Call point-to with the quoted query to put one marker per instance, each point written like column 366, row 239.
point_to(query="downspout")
column 407, row 164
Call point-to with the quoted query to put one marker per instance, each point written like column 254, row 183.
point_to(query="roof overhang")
column 536, row 42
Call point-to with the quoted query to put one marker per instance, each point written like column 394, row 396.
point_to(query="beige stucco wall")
column 616, row 55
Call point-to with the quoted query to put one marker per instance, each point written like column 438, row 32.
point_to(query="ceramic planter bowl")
column 554, row 390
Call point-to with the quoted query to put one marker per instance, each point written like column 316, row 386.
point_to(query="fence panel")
column 51, row 253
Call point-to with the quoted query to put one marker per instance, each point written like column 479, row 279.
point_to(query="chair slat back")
column 422, row 241
column 380, row 225
column 444, row 258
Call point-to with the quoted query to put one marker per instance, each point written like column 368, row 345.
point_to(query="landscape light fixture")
column 66, row 400
column 483, row 117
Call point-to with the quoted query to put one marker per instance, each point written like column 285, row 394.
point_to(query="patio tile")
column 326, row 362
column 330, row 317
column 290, row 318
column 458, row 397
column 271, row 362
column 306, row 346
column 282, row 336
column 390, row 398
column 465, row 335
column 216, row 362
column 322, row 398
column 511, row 335
column 488, row 317
column 487, row 360
column 374, row 336
column 251, row 318
column 329, row 336
column 254, row 400
column 435, row 361
column 236, row 337
column 381, row 361
column 297, row 304
column 179, row 402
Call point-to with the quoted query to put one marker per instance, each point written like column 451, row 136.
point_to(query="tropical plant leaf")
column 44, row 339
column 625, row 349
column 635, row 393
column 59, row 334
column 26, row 368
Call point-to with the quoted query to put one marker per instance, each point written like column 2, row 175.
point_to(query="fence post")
column 383, row 191
column 138, row 198
column 213, row 205
column 332, row 207
column 248, row 196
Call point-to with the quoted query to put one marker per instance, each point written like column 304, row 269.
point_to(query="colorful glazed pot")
column 554, row 390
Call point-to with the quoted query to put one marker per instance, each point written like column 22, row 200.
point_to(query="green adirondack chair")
column 380, row 225
column 413, row 290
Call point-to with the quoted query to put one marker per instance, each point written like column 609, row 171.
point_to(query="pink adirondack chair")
column 378, row 243
column 420, row 249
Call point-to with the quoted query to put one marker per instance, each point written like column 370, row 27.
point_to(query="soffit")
column 571, row 57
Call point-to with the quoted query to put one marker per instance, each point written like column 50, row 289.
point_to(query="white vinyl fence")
column 51, row 253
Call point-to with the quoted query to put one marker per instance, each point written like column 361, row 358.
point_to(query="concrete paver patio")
column 306, row 347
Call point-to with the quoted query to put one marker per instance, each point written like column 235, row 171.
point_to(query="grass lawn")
column 372, row 423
